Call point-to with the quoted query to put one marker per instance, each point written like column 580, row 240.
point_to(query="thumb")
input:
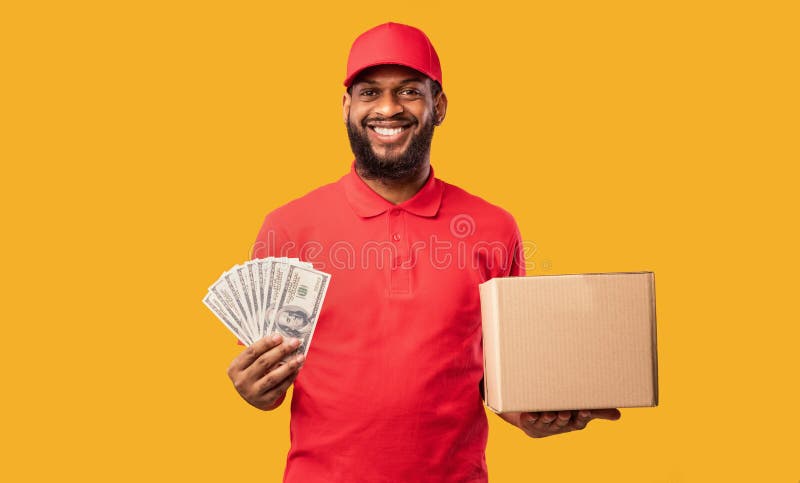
column 610, row 414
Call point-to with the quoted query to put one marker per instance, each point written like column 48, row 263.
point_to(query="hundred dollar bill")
column 211, row 301
column 300, row 303
column 266, row 269
column 231, row 278
column 278, row 268
column 257, row 275
column 228, row 302
column 243, row 278
column 255, row 294
column 277, row 278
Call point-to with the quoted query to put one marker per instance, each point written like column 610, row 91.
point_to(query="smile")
column 388, row 134
column 385, row 131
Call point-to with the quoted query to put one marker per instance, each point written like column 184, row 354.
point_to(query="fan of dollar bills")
column 266, row 296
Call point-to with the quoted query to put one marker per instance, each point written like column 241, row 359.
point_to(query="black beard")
column 390, row 168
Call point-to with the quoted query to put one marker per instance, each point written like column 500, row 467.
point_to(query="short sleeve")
column 516, row 254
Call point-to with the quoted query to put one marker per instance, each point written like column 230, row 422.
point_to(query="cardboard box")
column 561, row 342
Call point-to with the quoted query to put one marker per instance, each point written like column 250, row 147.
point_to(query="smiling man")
column 391, row 388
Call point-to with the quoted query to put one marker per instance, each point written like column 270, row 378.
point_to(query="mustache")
column 397, row 117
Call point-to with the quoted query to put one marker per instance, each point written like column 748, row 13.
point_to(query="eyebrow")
column 404, row 81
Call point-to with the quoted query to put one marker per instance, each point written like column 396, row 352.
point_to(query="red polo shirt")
column 389, row 391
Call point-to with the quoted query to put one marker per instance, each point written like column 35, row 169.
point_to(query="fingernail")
column 584, row 414
column 276, row 338
column 300, row 358
column 294, row 342
column 532, row 419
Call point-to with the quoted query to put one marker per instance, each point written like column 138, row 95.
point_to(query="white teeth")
column 388, row 132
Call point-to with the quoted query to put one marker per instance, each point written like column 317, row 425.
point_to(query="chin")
column 389, row 154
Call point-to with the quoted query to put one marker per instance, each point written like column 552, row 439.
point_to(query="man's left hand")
column 542, row 424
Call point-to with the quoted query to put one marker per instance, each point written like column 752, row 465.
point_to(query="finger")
column 265, row 361
column 542, row 425
column 253, row 352
column 276, row 392
column 581, row 419
column 528, row 420
column 278, row 375
column 610, row 414
column 562, row 420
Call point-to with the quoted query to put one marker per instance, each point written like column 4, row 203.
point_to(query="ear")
column 346, row 106
column 439, row 108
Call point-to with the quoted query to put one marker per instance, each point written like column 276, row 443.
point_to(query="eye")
column 367, row 92
column 410, row 91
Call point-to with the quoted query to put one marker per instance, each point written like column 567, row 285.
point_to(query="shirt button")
column 396, row 237
column 396, row 213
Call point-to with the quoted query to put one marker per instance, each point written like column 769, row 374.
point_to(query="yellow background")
column 143, row 142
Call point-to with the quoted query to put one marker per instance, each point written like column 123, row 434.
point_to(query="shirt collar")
column 366, row 203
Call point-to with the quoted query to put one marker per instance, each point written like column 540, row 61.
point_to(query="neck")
column 397, row 191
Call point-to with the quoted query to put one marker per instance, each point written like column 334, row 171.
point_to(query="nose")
column 388, row 105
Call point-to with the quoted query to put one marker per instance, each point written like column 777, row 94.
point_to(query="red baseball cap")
column 393, row 43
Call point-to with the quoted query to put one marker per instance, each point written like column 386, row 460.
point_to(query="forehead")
column 390, row 74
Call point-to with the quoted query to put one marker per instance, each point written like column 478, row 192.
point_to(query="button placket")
column 396, row 225
column 400, row 277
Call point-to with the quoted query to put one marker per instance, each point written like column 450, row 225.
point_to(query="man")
column 391, row 389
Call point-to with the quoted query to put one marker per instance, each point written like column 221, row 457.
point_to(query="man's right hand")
column 257, row 376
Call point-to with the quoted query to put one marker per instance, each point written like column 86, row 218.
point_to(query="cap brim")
column 349, row 79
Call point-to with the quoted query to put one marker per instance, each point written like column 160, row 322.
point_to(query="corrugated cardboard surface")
column 559, row 342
